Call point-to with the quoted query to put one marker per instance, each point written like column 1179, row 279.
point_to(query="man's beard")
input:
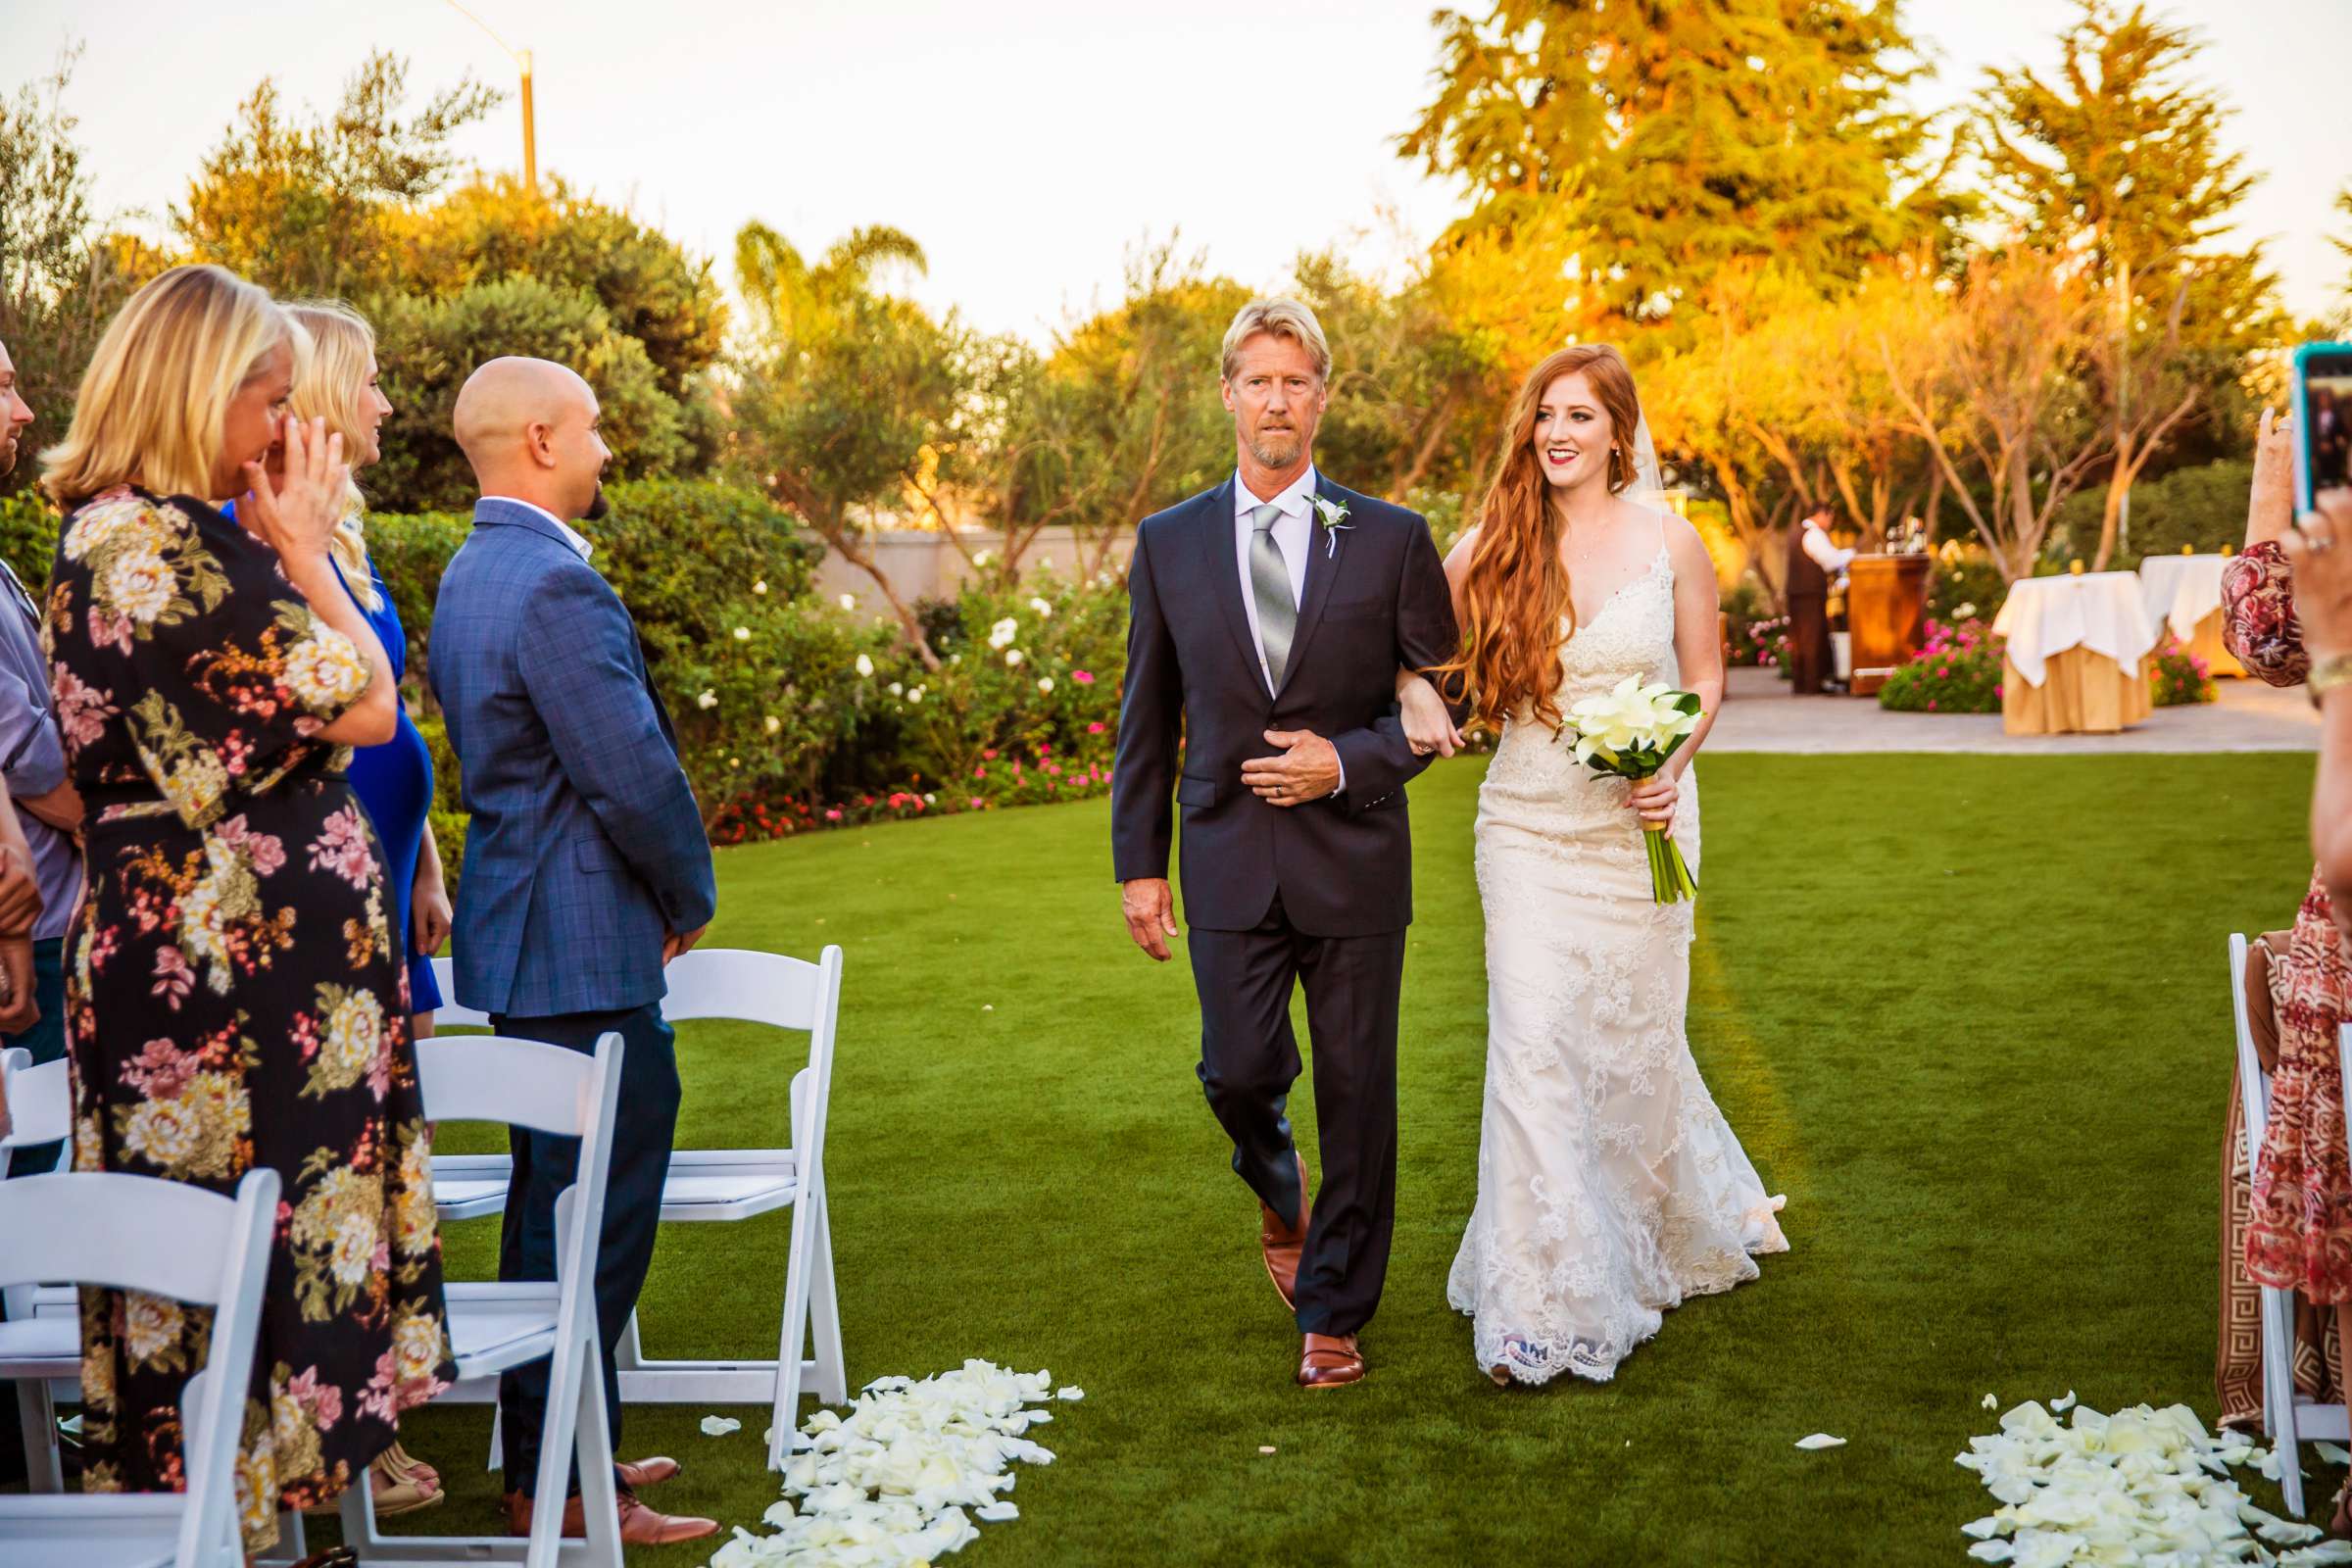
column 1277, row 449
column 8, row 455
column 598, row 505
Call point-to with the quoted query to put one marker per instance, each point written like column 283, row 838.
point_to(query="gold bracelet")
column 2327, row 675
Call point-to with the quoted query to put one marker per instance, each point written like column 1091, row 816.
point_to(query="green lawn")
column 1968, row 1012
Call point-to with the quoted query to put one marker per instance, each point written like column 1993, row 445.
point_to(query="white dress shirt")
column 1829, row 557
column 1293, row 534
column 571, row 536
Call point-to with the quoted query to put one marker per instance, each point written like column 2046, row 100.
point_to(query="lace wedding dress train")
column 1609, row 1186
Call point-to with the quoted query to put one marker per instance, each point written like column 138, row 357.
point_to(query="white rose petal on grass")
column 2332, row 1452
column 1070, row 1395
column 1991, row 1403
column 2061, row 1406
column 996, row 1513
column 2143, row 1484
column 720, row 1426
column 1820, row 1440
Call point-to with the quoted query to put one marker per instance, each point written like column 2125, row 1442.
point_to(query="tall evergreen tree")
column 1687, row 135
column 2118, row 159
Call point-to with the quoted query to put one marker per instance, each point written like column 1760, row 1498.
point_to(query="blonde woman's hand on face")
column 1428, row 727
column 2271, row 498
column 296, row 514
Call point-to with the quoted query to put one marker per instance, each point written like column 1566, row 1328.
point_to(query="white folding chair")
column 496, row 1327
column 716, row 1186
column 2288, row 1420
column 40, row 1343
column 166, row 1239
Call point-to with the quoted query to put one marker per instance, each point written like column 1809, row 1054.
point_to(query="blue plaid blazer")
column 586, row 846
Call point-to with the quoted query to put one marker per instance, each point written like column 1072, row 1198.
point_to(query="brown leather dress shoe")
column 640, row 1525
column 1281, row 1242
column 646, row 1472
column 1330, row 1361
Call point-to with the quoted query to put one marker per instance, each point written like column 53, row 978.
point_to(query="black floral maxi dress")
column 236, row 1000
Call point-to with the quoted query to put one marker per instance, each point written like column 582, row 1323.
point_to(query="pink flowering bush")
column 2180, row 677
column 1957, row 671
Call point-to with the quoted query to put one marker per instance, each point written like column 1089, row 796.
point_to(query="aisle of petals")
column 887, row 1484
column 2142, row 1486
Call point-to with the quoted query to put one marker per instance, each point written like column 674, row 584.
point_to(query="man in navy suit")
column 1269, row 618
column 587, row 868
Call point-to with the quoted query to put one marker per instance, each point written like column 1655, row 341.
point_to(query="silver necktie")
column 1270, row 584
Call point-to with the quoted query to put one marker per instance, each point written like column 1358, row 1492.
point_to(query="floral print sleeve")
column 2258, row 615
column 234, row 675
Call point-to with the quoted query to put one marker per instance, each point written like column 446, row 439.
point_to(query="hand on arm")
column 1428, row 724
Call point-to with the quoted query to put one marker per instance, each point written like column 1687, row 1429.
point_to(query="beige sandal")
column 400, row 1466
column 405, row 1491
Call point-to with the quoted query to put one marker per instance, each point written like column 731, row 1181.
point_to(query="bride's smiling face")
column 1573, row 434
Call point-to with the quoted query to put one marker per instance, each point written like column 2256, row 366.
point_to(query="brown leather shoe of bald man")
column 1281, row 1242
column 644, row 1472
column 640, row 1525
column 1330, row 1361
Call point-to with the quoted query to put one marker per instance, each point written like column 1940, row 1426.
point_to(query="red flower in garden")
column 1083, row 677
column 1094, row 728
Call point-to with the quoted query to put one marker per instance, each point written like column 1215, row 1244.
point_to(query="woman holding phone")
column 2299, row 1232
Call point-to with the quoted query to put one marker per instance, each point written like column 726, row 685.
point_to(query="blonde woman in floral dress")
column 235, row 997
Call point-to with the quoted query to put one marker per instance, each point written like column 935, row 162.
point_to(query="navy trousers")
column 646, row 1120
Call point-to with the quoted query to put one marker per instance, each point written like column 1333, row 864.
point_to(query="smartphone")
column 2322, row 386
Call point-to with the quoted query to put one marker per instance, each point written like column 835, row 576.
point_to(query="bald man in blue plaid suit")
column 587, row 868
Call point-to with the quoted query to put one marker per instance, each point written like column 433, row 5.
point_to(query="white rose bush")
column 1629, row 732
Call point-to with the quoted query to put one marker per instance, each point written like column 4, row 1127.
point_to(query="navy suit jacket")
column 1195, row 707
column 586, row 847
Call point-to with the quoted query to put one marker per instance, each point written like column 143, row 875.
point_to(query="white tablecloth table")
column 2076, row 654
column 2182, row 595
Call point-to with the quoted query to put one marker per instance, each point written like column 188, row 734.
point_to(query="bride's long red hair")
column 1515, row 598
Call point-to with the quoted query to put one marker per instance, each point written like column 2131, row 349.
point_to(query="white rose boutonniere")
column 1335, row 523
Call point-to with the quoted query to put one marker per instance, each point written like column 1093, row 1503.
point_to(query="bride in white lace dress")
column 1609, row 1186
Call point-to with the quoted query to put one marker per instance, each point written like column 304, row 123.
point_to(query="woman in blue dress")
column 394, row 781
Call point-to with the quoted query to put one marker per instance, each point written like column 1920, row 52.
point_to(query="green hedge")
column 2203, row 508
column 789, row 706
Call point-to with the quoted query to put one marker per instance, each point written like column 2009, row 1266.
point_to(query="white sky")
column 1029, row 147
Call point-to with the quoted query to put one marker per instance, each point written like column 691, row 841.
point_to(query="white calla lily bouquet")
column 1628, row 732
